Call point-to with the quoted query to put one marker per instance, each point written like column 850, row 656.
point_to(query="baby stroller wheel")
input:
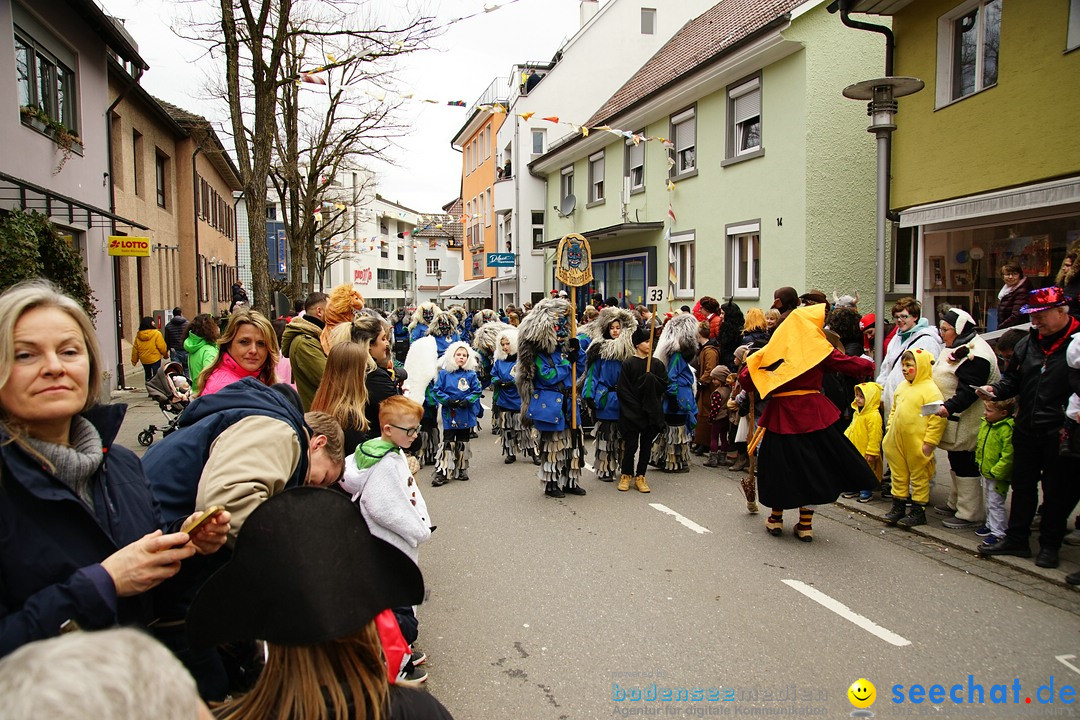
column 145, row 438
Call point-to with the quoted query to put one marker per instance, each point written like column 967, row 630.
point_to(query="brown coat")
column 708, row 358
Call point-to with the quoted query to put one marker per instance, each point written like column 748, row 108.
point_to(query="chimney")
column 589, row 8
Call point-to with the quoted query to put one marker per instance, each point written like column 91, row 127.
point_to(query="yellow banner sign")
column 125, row 246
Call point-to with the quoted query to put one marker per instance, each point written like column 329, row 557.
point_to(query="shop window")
column 744, row 260
column 968, row 42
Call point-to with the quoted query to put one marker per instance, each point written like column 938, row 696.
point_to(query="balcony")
column 503, row 195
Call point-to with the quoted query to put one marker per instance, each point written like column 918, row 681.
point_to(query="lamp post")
column 438, row 283
column 882, row 94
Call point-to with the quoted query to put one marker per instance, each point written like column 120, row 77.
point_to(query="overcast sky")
column 472, row 53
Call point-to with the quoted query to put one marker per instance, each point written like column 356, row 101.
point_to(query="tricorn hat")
column 1044, row 299
column 305, row 570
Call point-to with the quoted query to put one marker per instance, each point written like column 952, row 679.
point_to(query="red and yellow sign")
column 125, row 246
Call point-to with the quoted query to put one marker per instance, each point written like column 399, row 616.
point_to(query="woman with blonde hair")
column 382, row 380
column 83, row 544
column 247, row 348
column 343, row 394
column 755, row 330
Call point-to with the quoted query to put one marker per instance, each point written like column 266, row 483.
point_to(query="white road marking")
column 485, row 407
column 681, row 519
column 1064, row 660
column 847, row 613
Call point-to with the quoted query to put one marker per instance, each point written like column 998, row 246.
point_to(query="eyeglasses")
column 902, row 316
column 409, row 432
column 1010, row 274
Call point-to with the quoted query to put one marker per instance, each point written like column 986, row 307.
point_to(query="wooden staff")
column 573, row 365
column 751, row 468
column 652, row 332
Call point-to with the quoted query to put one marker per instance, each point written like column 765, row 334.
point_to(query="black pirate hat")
column 306, row 570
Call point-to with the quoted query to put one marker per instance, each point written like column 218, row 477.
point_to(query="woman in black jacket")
column 82, row 542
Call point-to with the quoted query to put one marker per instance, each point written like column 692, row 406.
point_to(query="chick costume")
column 803, row 459
column 865, row 429
column 908, row 429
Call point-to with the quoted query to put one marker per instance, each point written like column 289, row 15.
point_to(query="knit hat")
column 720, row 372
column 640, row 335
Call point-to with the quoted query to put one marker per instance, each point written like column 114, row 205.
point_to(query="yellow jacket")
column 148, row 348
column 908, row 428
column 865, row 430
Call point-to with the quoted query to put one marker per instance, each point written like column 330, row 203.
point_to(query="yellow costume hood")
column 797, row 345
column 871, row 392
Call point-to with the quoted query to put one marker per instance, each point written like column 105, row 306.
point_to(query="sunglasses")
column 409, row 431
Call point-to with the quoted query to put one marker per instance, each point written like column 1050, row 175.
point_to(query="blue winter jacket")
column 549, row 406
column 52, row 543
column 418, row 332
column 453, row 387
column 679, row 398
column 174, row 465
column 444, row 341
column 601, row 381
column 401, row 333
column 506, row 392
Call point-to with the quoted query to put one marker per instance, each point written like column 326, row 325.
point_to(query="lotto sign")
column 654, row 295
column 124, row 246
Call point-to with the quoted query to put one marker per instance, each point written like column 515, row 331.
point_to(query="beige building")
column 171, row 173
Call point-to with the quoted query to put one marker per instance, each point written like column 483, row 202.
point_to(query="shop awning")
column 480, row 288
column 1029, row 197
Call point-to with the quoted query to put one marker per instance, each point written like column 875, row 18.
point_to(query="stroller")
column 172, row 392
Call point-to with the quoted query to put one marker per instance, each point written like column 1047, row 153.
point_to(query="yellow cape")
column 797, row 345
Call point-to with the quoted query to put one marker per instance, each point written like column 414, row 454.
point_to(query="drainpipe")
column 195, row 218
column 112, row 209
column 844, row 7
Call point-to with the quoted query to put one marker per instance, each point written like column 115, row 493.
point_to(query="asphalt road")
column 569, row 608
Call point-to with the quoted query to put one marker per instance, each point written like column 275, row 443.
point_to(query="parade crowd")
column 262, row 557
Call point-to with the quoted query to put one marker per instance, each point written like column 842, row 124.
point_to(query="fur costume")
column 341, row 305
column 422, row 366
column 678, row 341
column 506, row 404
column 459, row 313
column 444, row 329
column 604, row 367
column 422, row 317
column 542, row 335
column 456, row 385
column 483, row 317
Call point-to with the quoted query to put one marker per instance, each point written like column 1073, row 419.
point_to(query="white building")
column 439, row 267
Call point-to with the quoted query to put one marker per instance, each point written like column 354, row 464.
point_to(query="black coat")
column 1009, row 306
column 52, row 544
column 1043, row 384
column 174, row 332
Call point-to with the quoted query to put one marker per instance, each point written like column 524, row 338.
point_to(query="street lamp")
column 438, row 283
column 882, row 94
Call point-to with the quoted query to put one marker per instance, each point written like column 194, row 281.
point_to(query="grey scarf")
column 75, row 463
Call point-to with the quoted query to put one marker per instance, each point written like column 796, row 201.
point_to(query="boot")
column 898, row 511
column 751, row 495
column 728, row 459
column 741, row 463
column 640, row 484
column 552, row 490
column 774, row 524
column 624, row 483
column 917, row 516
column 713, row 461
column 510, row 459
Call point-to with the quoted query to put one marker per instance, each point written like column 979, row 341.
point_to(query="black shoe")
column 886, row 493
column 898, row 511
column 553, row 490
column 576, row 490
column 510, row 459
column 606, row 479
column 473, row 434
column 463, row 476
column 1005, row 547
column 438, row 479
column 1047, row 558
column 1074, row 578
column 917, row 516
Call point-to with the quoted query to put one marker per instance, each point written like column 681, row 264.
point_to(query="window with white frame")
column 538, row 141
column 648, row 21
column 1072, row 38
column 744, row 118
column 433, row 266
column 682, row 247
column 969, row 37
column 537, row 228
column 635, row 163
column 43, row 75
column 596, row 177
column 684, row 132
column 566, row 182
column 508, row 232
column 904, row 260
column 744, row 260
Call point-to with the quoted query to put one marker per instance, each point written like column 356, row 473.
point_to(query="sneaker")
column 419, row 657
column 991, row 540
column 865, row 496
column 850, row 495
column 983, row 531
column 956, row 523
column 945, row 510
column 415, row 676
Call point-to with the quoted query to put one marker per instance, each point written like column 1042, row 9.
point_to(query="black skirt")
column 809, row 469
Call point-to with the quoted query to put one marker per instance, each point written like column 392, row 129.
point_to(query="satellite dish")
column 566, row 207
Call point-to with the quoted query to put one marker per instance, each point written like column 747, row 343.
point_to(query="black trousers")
column 1035, row 460
column 962, row 462
column 638, row 441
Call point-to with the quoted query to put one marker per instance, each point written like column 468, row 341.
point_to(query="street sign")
column 281, row 268
column 500, row 259
column 654, row 295
column 124, row 246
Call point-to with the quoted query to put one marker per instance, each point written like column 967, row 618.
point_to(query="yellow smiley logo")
column 862, row 693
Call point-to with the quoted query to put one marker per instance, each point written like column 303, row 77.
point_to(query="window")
column 596, row 178
column 44, row 79
column 136, row 160
column 635, row 164
column 744, row 260
column 684, row 130
column 508, row 232
column 401, row 250
column 682, row 247
column 483, row 215
column 968, row 41
column 433, row 266
column 487, row 142
column 537, row 228
column 648, row 21
column 159, row 173
column 904, row 260
column 384, row 279
column 384, row 225
column 566, row 182
column 538, row 138
column 488, row 205
column 1072, row 39
column 271, row 212
column 744, row 119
